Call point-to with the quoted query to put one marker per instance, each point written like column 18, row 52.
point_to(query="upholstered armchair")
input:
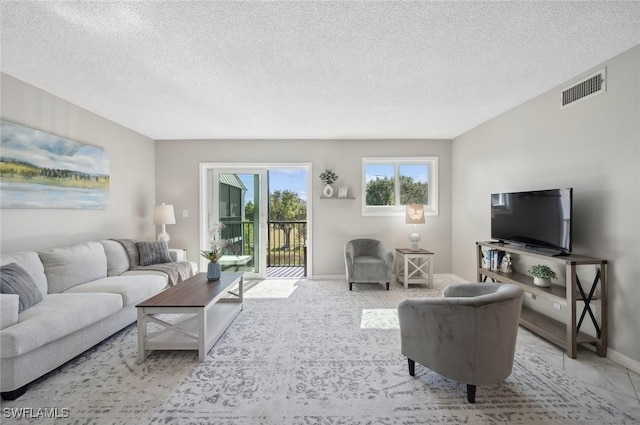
column 367, row 260
column 468, row 335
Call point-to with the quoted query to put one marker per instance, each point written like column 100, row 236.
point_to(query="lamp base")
column 163, row 235
column 415, row 241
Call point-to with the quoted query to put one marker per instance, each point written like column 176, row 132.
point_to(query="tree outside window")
column 392, row 183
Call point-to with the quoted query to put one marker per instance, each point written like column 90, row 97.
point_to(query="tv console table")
column 565, row 334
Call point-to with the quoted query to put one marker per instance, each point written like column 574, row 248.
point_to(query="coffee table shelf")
column 205, row 309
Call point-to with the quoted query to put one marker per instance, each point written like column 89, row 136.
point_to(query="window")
column 389, row 184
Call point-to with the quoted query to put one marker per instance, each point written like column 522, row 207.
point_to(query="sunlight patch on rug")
column 271, row 288
column 379, row 318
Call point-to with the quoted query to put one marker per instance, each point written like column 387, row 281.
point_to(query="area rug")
column 302, row 352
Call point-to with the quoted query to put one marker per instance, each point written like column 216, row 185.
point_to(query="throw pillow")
column 153, row 253
column 15, row 280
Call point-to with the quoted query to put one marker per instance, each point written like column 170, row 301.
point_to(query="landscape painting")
column 41, row 170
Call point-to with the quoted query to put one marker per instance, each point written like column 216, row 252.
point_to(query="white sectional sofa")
column 88, row 292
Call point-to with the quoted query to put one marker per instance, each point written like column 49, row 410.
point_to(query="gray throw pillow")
column 15, row 280
column 153, row 253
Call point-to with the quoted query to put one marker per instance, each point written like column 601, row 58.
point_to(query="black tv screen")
column 539, row 218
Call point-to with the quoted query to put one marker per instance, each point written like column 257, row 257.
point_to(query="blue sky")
column 280, row 179
column 417, row 171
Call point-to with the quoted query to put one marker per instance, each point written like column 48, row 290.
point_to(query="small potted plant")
column 217, row 249
column 542, row 275
column 328, row 177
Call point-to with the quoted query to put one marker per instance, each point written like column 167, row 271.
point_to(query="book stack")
column 492, row 259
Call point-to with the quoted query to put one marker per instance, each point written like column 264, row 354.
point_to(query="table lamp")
column 163, row 215
column 415, row 215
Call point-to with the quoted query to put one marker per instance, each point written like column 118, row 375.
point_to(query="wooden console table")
column 565, row 334
column 206, row 309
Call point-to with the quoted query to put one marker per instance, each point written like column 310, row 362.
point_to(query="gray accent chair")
column 469, row 335
column 367, row 260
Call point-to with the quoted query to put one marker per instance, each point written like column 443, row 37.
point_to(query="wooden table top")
column 196, row 291
column 409, row 251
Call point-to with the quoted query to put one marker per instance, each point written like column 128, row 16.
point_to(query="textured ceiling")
column 283, row 70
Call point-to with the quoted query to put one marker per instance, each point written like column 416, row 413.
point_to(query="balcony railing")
column 285, row 241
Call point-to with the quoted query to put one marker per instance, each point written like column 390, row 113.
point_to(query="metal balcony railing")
column 285, row 241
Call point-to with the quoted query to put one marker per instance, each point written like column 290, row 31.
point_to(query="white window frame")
column 431, row 209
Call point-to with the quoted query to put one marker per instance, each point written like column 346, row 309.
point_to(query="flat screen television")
column 538, row 218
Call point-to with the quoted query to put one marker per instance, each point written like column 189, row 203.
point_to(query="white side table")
column 413, row 267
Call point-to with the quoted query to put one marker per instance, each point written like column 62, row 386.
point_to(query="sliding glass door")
column 264, row 212
column 237, row 215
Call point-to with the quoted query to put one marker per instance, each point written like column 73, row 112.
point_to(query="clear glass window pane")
column 414, row 184
column 380, row 182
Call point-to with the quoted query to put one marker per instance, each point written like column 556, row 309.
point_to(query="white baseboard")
column 623, row 360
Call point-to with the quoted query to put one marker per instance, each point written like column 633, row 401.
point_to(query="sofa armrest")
column 8, row 310
column 178, row 254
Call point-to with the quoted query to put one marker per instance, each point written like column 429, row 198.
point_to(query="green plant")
column 541, row 271
column 328, row 177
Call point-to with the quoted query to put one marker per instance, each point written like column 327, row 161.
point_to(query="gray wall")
column 592, row 146
column 131, row 158
column 334, row 221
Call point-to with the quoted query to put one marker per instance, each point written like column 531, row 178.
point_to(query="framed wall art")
column 41, row 170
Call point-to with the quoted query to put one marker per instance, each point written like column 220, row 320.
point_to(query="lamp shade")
column 415, row 214
column 163, row 214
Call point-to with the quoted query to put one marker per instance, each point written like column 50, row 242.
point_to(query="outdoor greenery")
column 287, row 229
column 286, row 206
column 381, row 191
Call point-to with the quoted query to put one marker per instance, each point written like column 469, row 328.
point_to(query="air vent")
column 591, row 86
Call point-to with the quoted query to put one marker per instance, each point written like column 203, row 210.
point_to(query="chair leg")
column 350, row 285
column 471, row 393
column 412, row 367
column 12, row 395
column 387, row 286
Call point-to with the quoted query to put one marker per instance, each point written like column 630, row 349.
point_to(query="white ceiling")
column 288, row 70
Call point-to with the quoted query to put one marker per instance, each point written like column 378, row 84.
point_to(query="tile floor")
column 602, row 375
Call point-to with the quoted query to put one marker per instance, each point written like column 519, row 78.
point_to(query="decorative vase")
column 542, row 282
column 327, row 191
column 213, row 271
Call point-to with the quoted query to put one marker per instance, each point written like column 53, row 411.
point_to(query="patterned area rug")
column 305, row 352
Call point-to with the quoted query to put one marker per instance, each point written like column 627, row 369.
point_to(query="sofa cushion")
column 30, row 261
column 147, row 272
column 56, row 316
column 8, row 310
column 70, row 266
column 117, row 258
column 15, row 280
column 153, row 253
column 133, row 289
